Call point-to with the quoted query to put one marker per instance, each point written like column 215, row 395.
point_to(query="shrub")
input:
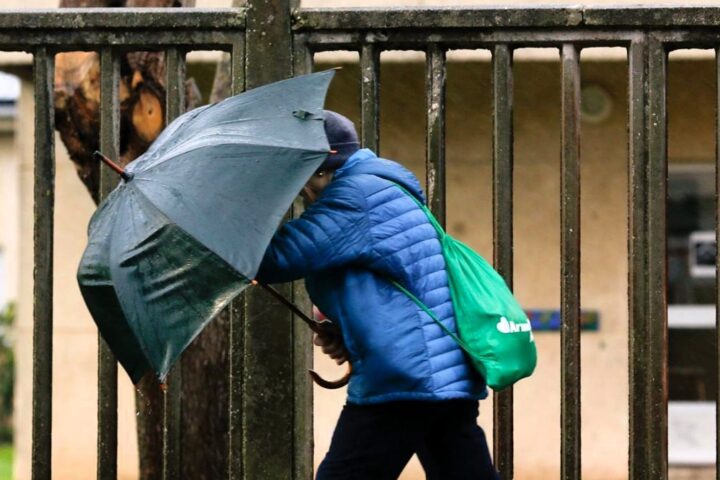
column 7, row 373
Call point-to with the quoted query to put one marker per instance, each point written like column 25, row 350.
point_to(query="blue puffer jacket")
column 361, row 232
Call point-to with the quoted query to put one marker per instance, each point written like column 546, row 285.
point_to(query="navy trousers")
column 375, row 442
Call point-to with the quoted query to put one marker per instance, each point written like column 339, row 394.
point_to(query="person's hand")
column 332, row 345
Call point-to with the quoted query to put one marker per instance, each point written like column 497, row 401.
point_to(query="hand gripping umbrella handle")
column 315, row 326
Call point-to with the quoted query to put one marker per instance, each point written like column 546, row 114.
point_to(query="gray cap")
column 342, row 137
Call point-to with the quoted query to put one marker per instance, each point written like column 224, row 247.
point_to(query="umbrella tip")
column 113, row 166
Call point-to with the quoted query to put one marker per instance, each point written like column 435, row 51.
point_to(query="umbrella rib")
column 162, row 161
column 187, row 184
column 247, row 119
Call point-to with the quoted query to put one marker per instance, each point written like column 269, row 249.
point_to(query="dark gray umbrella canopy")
column 171, row 246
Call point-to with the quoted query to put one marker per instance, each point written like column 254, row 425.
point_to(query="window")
column 9, row 94
column 691, row 314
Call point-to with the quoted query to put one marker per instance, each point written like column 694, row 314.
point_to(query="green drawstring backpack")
column 493, row 329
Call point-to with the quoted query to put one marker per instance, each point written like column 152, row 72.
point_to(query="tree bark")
column 205, row 366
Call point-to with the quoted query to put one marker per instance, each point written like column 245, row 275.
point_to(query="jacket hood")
column 364, row 161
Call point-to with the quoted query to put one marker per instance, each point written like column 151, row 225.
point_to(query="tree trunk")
column 205, row 367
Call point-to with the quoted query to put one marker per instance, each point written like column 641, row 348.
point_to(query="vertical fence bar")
column 237, row 65
column 370, row 96
column 107, row 364
column 44, row 208
column 656, row 353
column 570, row 266
column 435, row 71
column 172, row 395
column 503, row 234
column 302, row 55
column 235, row 465
column 237, row 337
column 717, row 262
column 268, row 378
column 637, row 257
column 175, row 70
column 647, row 249
column 302, row 335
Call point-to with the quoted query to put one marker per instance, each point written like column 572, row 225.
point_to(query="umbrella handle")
column 335, row 384
column 315, row 326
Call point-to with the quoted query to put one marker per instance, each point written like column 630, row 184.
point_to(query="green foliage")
column 7, row 373
column 6, row 460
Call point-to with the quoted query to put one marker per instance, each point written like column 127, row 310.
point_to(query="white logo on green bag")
column 505, row 326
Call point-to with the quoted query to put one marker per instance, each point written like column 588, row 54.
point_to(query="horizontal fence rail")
column 68, row 29
column 427, row 19
column 647, row 33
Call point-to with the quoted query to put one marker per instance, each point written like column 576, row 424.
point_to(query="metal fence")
column 263, row 51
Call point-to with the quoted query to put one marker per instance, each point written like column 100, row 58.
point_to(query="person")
column 412, row 390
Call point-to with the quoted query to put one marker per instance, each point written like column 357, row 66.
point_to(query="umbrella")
column 186, row 229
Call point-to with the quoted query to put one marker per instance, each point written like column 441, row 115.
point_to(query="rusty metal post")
column 302, row 336
column 637, row 260
column 44, row 208
column 172, row 395
column 107, row 364
column 435, row 76
column 647, row 260
column 656, row 441
column 717, row 257
column 570, row 266
column 237, row 310
column 503, row 234
column 370, row 96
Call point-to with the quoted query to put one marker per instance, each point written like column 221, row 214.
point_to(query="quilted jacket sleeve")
column 331, row 233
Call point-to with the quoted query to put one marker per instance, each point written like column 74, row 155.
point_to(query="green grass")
column 6, row 458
